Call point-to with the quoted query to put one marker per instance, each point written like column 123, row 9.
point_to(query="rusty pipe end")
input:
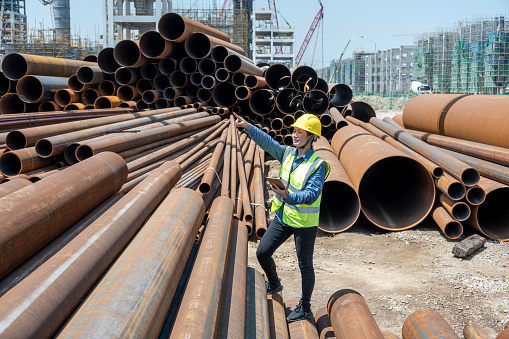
column 340, row 207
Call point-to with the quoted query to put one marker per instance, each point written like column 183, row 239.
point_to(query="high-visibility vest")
column 301, row 215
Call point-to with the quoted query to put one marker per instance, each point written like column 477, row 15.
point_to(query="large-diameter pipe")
column 199, row 45
column 427, row 323
column 176, row 27
column 305, row 328
column 350, row 316
column 304, row 78
column 315, row 102
column 106, row 60
column 359, row 110
column 131, row 140
column 234, row 63
column 277, row 76
column 154, row 46
column 289, row 100
column 17, row 65
column 491, row 216
column 90, row 75
column 39, row 88
column 341, row 95
column 199, row 312
column 127, row 53
column 55, row 204
column 466, row 174
column 40, row 304
column 340, row 206
column 387, row 180
column 479, row 118
column 257, row 318
column 262, row 101
column 154, row 260
column 224, row 94
column 13, row 186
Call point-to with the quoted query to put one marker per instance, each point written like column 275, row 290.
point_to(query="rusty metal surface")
column 198, row 315
column 64, row 97
column 154, row 46
column 450, row 186
column 350, row 316
column 257, row 318
column 175, row 27
column 340, row 206
column 457, row 209
column 225, row 182
column 435, row 170
column 503, row 335
column 23, row 160
column 234, row 63
column 127, row 53
column 125, row 141
column 375, row 169
column 475, row 195
column 486, row 152
column 243, row 190
column 259, row 199
column 53, row 206
column 49, row 106
column 450, row 227
column 90, row 75
column 13, row 186
column 389, row 335
column 490, row 217
column 474, row 331
column 16, row 65
column 40, row 304
column 232, row 323
column 39, row 88
column 199, row 45
column 339, row 120
column 398, row 118
column 108, row 88
column 423, row 112
column 461, row 171
column 323, row 325
column 359, row 110
column 144, row 278
column 427, row 323
column 106, row 102
column 277, row 317
column 211, row 173
column 30, row 265
column 302, row 329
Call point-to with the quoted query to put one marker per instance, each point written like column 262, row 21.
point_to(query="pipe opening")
column 475, row 195
column 192, row 91
column 341, row 95
column 222, row 74
column 304, row 78
column 182, row 100
column 127, row 53
column 125, row 76
column 102, row 102
column 456, row 191
column 178, row 79
column 14, row 66
column 288, row 120
column 161, row 82
column 150, row 97
column 171, row 93
column 106, row 60
column 206, row 66
column 260, row 232
column 359, row 110
column 16, row 140
column 30, row 88
column 143, row 85
column 289, row 101
column 149, row 71
column 233, row 63
column 238, row 79
column 470, row 177
column 208, row 82
column 107, row 88
column 85, row 75
column 396, row 193
column 197, row 45
column 11, row 103
column 242, row 93
column 44, row 148
column 70, row 154
column 196, row 78
column 340, row 207
column 188, row 65
column 84, row 152
column 315, row 102
column 453, row 229
column 460, row 211
column 167, row 66
column 288, row 140
column 74, row 84
column 437, row 171
column 89, row 96
column 204, row 188
column 250, row 81
column 262, row 102
column 276, row 124
column 63, row 97
column 493, row 214
column 162, row 103
column 224, row 94
column 127, row 93
column 219, row 53
column 48, row 106
column 141, row 105
column 10, row 164
column 274, row 74
column 171, row 26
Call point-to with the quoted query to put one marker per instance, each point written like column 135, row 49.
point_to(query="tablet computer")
column 277, row 182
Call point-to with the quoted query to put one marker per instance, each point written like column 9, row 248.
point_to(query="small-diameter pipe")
column 162, row 103
column 253, row 82
column 89, row 96
column 359, row 110
column 49, row 106
column 475, row 195
column 151, row 96
column 182, row 100
column 161, row 82
column 243, row 93
column 196, row 78
column 204, row 95
column 451, row 228
column 192, row 91
column 75, row 85
column 143, row 85
column 171, row 93
column 222, row 74
column 208, row 82
column 450, row 186
column 127, row 93
column 64, row 97
column 238, row 79
column 457, row 209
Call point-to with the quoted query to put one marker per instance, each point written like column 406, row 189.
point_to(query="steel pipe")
column 304, row 79
column 166, row 237
column 305, row 328
column 127, row 93
column 340, row 206
column 427, row 323
column 475, row 195
column 49, row 106
column 232, row 320
column 315, row 102
column 149, row 71
column 350, row 316
column 178, row 79
column 5, row 83
column 450, row 186
column 207, row 66
column 13, row 186
column 289, row 101
column 188, row 65
column 490, row 217
column 199, row 45
column 154, row 46
column 220, row 52
column 450, row 227
column 204, row 95
column 278, row 77
column 176, row 27
column 168, row 65
column 183, row 100
column 171, row 93
column 466, row 174
column 128, row 104
column 17, row 65
column 495, row 154
column 75, row 106
column 457, row 209
column 323, row 325
column 238, row 79
column 22, row 160
column 376, row 168
column 192, row 91
column 262, row 101
column 89, row 96
column 64, row 97
column 222, row 74
column 253, row 82
column 200, row 308
column 225, row 182
column 27, row 230
column 196, row 78
column 243, row 93
column 11, row 103
column 106, row 102
column 398, row 118
column 259, row 189
column 223, row 94
column 30, row 311
column 257, row 319
column 474, row 331
column 340, row 95
column 162, row 103
column 75, row 85
column 123, row 142
column 127, row 75
column 36, row 89
column 234, row 63
column 106, row 60
column 107, row 88
column 90, row 75
column 215, row 165
column 127, row 53
column 151, row 96
column 359, row 110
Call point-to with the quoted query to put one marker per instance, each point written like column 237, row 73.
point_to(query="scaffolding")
column 472, row 57
column 48, row 42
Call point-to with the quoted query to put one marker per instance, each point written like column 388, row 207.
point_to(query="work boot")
column 274, row 288
column 300, row 313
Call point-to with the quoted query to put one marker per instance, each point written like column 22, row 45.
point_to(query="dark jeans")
column 304, row 244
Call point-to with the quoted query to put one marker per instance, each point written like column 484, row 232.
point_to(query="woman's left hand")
column 282, row 193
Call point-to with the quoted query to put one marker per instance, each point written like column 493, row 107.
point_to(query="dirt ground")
column 399, row 273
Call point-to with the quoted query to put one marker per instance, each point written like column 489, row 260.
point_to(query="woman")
column 297, row 206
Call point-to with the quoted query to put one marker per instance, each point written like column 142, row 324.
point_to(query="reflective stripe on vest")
column 301, row 215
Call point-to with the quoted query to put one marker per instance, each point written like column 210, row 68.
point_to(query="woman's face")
column 300, row 137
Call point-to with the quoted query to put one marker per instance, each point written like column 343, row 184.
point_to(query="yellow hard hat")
column 309, row 122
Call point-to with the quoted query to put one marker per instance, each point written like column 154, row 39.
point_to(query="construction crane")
column 344, row 49
column 311, row 31
column 227, row 4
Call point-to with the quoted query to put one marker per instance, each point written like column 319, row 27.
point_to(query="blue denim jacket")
column 314, row 185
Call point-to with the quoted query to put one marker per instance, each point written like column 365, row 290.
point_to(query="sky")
column 376, row 20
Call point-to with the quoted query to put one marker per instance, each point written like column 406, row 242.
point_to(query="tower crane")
column 344, row 49
column 309, row 35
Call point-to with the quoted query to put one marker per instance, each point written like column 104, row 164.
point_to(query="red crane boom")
column 311, row 31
